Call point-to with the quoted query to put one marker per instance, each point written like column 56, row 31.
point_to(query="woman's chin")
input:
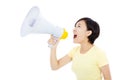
column 74, row 41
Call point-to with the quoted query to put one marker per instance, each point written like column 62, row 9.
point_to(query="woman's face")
column 80, row 32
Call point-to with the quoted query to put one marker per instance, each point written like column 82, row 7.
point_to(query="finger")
column 52, row 37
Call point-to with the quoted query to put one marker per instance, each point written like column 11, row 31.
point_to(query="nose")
column 74, row 29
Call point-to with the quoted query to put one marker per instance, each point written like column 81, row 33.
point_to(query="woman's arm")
column 106, row 72
column 55, row 63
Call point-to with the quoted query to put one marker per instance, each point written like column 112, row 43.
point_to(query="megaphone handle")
column 50, row 45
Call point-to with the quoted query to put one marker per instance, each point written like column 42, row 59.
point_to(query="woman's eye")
column 77, row 26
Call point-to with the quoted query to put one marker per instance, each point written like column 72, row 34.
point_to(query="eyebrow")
column 77, row 24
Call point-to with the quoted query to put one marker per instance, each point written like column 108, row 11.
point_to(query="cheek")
column 81, row 36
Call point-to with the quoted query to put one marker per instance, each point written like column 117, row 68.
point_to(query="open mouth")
column 75, row 36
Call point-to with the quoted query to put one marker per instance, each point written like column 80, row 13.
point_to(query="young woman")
column 88, row 61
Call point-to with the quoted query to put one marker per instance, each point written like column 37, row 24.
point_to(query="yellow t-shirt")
column 87, row 66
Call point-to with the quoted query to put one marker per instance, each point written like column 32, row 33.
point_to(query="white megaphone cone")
column 35, row 23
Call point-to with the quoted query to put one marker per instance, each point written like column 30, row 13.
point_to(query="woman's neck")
column 85, row 47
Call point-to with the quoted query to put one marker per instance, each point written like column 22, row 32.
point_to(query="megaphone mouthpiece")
column 64, row 35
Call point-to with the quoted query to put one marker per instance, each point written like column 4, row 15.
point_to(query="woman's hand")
column 54, row 62
column 53, row 42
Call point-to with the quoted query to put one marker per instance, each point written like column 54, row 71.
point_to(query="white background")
column 27, row 58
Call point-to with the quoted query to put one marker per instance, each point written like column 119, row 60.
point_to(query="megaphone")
column 35, row 23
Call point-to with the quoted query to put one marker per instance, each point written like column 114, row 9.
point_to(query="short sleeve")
column 102, row 59
column 72, row 52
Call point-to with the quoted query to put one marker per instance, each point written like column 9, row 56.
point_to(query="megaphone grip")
column 52, row 45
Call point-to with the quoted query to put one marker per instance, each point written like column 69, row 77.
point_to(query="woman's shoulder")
column 98, row 50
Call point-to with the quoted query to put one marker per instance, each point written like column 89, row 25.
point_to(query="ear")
column 89, row 32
